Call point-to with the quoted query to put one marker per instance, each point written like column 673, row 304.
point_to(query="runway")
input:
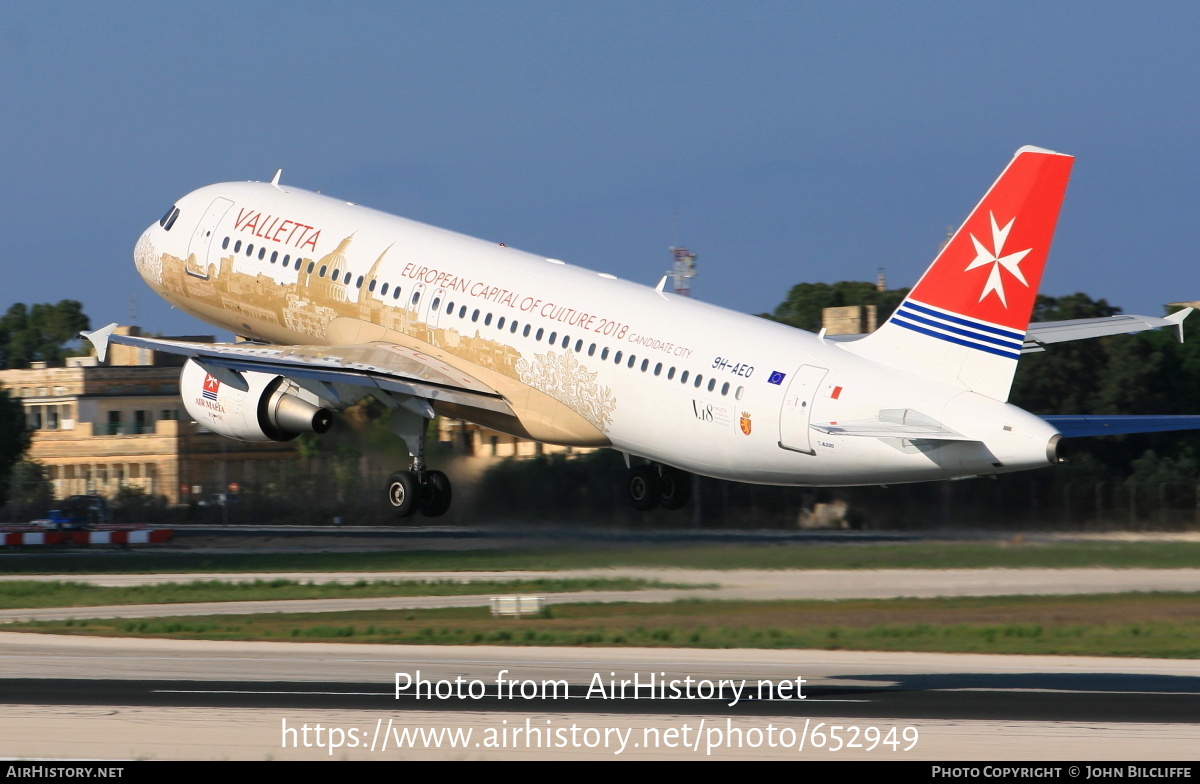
column 163, row 699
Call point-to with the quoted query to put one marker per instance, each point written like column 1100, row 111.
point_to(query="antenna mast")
column 683, row 270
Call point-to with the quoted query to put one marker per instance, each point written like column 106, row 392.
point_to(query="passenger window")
column 475, row 315
column 632, row 359
column 500, row 323
column 671, row 374
column 237, row 247
column 658, row 369
column 566, row 341
column 250, row 249
column 358, row 283
column 684, row 377
column 739, row 393
column 462, row 312
column 553, row 338
column 592, row 350
column 487, row 320
column 311, row 264
column 525, row 332
column 437, row 301
column 617, row 358
column 371, row 285
column 725, row 389
column 416, row 297
column 225, row 244
column 275, row 258
column 321, row 272
column 604, row 353
column 513, row 327
column 712, row 382
column 262, row 253
column 645, row 364
column 396, row 293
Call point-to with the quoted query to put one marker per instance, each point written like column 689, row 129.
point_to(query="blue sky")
column 783, row 142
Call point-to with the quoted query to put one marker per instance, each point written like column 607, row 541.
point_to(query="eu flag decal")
column 776, row 378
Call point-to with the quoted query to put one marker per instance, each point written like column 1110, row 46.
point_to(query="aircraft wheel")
column 676, row 488
column 644, row 488
column 402, row 493
column 435, row 494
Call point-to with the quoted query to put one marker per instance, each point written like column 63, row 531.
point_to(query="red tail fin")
column 991, row 268
column 965, row 320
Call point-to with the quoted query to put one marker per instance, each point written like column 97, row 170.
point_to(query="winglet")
column 1177, row 318
column 275, row 179
column 661, row 285
column 99, row 339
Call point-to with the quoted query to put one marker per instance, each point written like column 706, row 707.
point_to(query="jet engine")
column 268, row 408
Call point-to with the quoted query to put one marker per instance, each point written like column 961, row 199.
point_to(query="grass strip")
column 26, row 594
column 856, row 555
column 1155, row 625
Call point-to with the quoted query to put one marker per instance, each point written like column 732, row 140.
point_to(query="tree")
column 805, row 301
column 30, row 490
column 40, row 332
column 1065, row 378
column 14, row 438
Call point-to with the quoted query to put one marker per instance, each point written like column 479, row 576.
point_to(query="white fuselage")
column 752, row 386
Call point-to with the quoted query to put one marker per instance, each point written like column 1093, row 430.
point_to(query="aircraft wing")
column 893, row 423
column 1073, row 426
column 373, row 366
column 1040, row 333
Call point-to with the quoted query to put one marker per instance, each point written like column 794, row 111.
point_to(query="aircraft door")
column 435, row 307
column 796, row 413
column 417, row 302
column 198, row 249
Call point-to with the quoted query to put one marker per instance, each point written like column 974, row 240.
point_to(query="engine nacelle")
column 272, row 408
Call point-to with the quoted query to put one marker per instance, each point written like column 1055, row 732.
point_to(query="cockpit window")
column 168, row 219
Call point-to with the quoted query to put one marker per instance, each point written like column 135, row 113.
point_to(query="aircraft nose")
column 146, row 256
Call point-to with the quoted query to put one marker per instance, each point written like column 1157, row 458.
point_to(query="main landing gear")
column 417, row 489
column 656, row 484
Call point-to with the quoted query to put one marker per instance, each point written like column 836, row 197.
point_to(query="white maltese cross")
column 1011, row 262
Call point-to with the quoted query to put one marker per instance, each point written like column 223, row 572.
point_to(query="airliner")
column 333, row 302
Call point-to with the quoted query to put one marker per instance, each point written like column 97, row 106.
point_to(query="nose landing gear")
column 655, row 484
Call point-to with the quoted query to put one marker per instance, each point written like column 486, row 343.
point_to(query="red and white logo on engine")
column 211, row 387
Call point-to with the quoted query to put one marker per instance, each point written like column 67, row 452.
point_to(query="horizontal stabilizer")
column 1079, row 426
column 893, row 423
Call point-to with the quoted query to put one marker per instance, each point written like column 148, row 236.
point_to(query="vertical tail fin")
column 965, row 320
